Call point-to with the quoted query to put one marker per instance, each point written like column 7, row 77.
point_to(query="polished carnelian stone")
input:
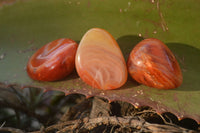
column 99, row 60
column 53, row 61
column 153, row 64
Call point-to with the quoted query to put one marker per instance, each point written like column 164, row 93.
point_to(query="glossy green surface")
column 27, row 25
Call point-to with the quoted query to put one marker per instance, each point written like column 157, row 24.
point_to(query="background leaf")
column 27, row 25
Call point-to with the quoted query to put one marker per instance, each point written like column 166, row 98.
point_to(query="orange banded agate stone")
column 153, row 64
column 54, row 61
column 99, row 60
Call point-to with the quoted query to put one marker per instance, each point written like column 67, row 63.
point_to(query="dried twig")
column 12, row 130
column 123, row 122
column 134, row 123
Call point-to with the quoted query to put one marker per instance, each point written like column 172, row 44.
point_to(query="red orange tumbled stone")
column 99, row 60
column 53, row 61
column 153, row 64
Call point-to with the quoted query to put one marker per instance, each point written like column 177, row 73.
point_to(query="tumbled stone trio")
column 100, row 62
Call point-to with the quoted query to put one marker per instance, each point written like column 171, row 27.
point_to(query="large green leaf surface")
column 27, row 25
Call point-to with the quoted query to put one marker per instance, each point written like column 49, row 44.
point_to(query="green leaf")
column 27, row 25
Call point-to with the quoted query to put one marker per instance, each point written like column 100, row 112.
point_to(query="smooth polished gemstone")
column 153, row 64
column 53, row 61
column 99, row 60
